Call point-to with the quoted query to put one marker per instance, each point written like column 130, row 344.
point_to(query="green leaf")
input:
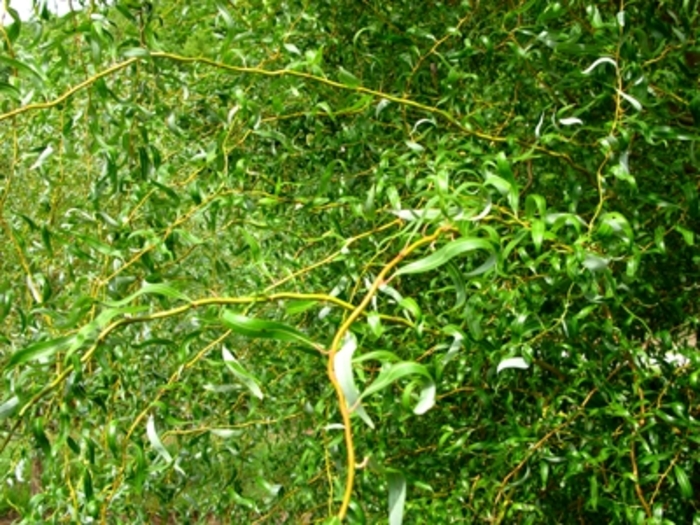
column 535, row 204
column 391, row 373
column 112, row 437
column 512, row 362
column 342, row 366
column 155, row 441
column 537, row 229
column 228, row 19
column 347, row 78
column 426, row 398
column 377, row 355
column 375, row 324
column 595, row 263
column 40, row 435
column 457, row 343
column 244, row 376
column 473, row 319
column 13, row 30
column 397, row 496
column 688, row 235
column 459, row 286
column 485, row 267
column 251, row 327
column 163, row 289
column 444, row 254
column 411, row 306
column 684, row 485
column 9, row 407
column 615, row 224
column 292, row 48
column 9, row 91
column 298, row 307
column 135, row 52
column 21, row 66
column 171, row 123
column 41, row 350
column 252, row 244
column 504, row 168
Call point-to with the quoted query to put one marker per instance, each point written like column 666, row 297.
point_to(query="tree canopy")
column 331, row 261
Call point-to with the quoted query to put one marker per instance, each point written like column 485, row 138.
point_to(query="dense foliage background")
column 231, row 229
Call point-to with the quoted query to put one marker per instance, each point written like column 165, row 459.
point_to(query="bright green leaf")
column 243, row 376
column 257, row 328
column 444, row 254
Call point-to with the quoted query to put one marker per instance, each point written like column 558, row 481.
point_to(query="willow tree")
column 268, row 262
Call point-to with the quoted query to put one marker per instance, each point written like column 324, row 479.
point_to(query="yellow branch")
column 72, row 91
column 255, row 71
column 344, row 328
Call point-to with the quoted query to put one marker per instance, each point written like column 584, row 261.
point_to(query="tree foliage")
column 268, row 262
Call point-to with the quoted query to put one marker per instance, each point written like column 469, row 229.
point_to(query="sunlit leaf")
column 41, row 350
column 444, row 254
column 512, row 362
column 391, row 373
column 570, row 121
column 397, row 497
column 241, row 373
column 252, row 327
column 347, row 78
column 686, row 489
column 42, row 157
column 20, row 66
column 155, row 441
column 602, row 60
column 292, row 48
column 7, row 408
column 150, row 288
column 342, row 366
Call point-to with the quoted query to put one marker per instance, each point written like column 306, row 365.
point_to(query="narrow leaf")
column 9, row 90
column 20, row 66
column 244, row 376
column 342, row 366
column 635, row 103
column 156, row 443
column 40, row 350
column 292, row 49
column 8, row 407
column 393, row 372
column 570, row 121
column 42, row 157
column 512, row 362
column 151, row 289
column 598, row 62
column 485, row 267
column 538, row 229
column 444, row 254
column 397, row 497
column 426, row 399
column 251, row 327
column 539, row 126
column 347, row 78
column 683, row 482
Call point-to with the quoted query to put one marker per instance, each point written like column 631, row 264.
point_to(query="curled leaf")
column 251, row 327
column 598, row 62
column 397, row 497
column 446, row 253
column 393, row 372
column 512, row 362
column 241, row 373
column 342, row 365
